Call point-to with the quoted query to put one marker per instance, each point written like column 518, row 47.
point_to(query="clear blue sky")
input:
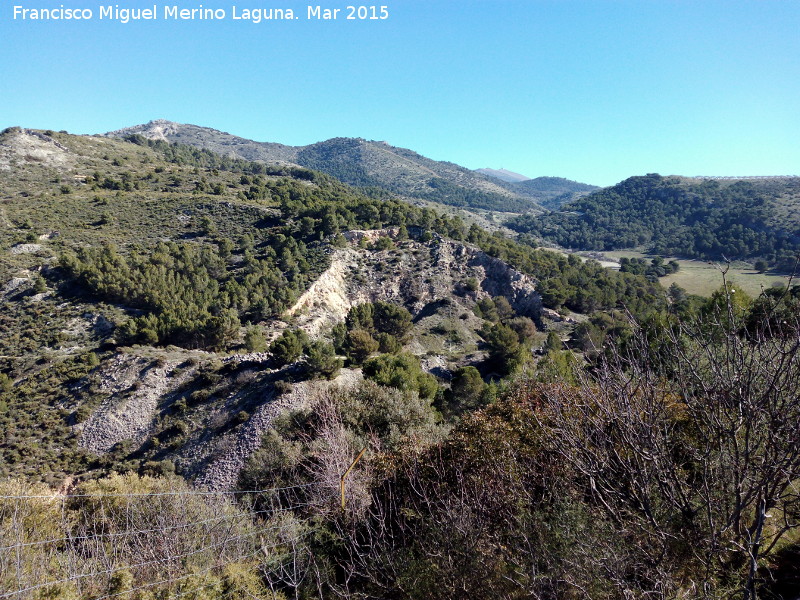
column 594, row 91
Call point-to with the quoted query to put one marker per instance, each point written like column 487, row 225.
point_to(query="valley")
column 703, row 277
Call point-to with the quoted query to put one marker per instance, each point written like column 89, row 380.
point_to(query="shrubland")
column 669, row 466
column 651, row 449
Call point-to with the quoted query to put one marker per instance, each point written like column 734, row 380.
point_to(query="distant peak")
column 162, row 122
column 503, row 175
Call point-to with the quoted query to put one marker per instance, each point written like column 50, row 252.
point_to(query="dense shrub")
column 289, row 346
column 401, row 371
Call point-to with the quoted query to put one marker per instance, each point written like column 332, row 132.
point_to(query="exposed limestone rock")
column 414, row 275
column 25, row 248
column 136, row 387
column 429, row 278
column 13, row 285
column 328, row 300
column 371, row 235
column 28, row 146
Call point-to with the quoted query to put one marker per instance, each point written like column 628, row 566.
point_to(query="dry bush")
column 123, row 534
column 687, row 436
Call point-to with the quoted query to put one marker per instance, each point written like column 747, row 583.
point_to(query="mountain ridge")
column 503, row 175
column 359, row 162
column 711, row 219
column 380, row 166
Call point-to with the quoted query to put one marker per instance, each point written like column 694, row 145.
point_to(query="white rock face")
column 329, row 299
column 26, row 146
column 13, row 284
column 415, row 275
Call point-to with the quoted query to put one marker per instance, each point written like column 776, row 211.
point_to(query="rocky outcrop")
column 25, row 248
column 426, row 277
column 138, row 388
column 29, row 146
column 415, row 275
column 328, row 300
column 371, row 235
column 501, row 280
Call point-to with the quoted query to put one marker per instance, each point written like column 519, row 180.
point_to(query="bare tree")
column 688, row 438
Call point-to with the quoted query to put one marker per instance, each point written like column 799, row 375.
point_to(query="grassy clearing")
column 703, row 278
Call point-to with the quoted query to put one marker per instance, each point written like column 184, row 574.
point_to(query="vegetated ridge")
column 549, row 192
column 553, row 192
column 358, row 162
column 699, row 218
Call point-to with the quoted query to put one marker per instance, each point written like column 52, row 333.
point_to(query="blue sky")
column 593, row 91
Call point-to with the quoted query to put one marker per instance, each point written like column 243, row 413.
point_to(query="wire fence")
column 65, row 497
column 107, row 543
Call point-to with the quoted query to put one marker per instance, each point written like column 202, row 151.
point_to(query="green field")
column 702, row 278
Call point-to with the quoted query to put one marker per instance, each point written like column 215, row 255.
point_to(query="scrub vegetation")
column 527, row 424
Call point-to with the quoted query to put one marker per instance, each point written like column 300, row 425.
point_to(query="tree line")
column 671, row 216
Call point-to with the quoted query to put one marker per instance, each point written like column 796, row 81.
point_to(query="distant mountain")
column 554, row 185
column 359, row 162
column 550, row 192
column 503, row 175
column 694, row 217
column 553, row 192
column 210, row 139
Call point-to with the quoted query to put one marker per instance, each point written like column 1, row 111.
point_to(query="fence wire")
column 126, row 545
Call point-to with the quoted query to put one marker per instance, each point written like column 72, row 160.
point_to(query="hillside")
column 218, row 142
column 703, row 218
column 548, row 192
column 358, row 162
column 195, row 348
column 166, row 271
column 553, row 192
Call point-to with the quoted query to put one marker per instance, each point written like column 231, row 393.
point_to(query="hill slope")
column 140, row 284
column 736, row 219
column 140, row 287
column 553, row 192
column 218, row 142
column 549, row 192
column 358, row 162
column 169, row 311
